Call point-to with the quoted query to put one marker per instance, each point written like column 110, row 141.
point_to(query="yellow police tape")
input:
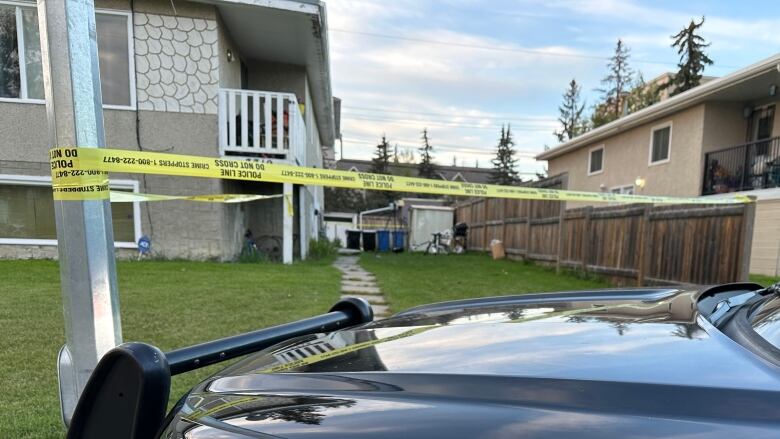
column 82, row 174
column 131, row 197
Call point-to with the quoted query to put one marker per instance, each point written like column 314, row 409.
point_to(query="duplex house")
column 718, row 138
column 224, row 78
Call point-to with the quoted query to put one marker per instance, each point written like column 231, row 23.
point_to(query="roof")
column 292, row 32
column 450, row 173
column 744, row 84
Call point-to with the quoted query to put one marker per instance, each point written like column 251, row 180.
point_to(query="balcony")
column 754, row 165
column 261, row 125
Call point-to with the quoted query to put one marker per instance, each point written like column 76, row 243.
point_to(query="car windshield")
column 766, row 320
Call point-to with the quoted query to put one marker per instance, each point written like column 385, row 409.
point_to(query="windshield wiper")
column 726, row 308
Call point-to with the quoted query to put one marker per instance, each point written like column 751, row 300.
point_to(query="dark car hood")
column 639, row 363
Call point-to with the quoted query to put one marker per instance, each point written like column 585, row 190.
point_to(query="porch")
column 750, row 166
column 261, row 125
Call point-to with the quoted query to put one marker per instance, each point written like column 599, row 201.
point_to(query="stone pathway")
column 357, row 282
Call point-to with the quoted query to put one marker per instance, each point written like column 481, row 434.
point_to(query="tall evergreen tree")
column 572, row 122
column 426, row 168
column 504, row 163
column 380, row 164
column 642, row 94
column 690, row 46
column 614, row 86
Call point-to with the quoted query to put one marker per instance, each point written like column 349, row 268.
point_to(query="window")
column 596, row 160
column 660, row 144
column 27, row 212
column 21, row 73
column 623, row 190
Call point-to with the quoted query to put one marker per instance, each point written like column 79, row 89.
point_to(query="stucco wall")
column 270, row 76
column 765, row 254
column 626, row 157
column 724, row 125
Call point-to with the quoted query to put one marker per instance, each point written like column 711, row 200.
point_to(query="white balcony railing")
column 261, row 125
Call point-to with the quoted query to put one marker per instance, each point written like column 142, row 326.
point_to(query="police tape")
column 134, row 197
column 82, row 174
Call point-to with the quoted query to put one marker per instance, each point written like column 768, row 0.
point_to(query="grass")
column 168, row 304
column 764, row 280
column 411, row 279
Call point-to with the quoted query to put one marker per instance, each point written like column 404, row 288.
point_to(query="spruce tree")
column 572, row 122
column 426, row 168
column 615, row 85
column 642, row 95
column 504, row 163
column 690, row 46
column 380, row 164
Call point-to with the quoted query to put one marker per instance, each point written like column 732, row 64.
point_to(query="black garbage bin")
column 369, row 241
column 353, row 239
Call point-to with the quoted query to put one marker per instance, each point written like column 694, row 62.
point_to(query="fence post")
column 748, row 218
column 504, row 217
column 644, row 246
column 485, row 245
column 561, row 229
column 529, row 216
column 585, row 240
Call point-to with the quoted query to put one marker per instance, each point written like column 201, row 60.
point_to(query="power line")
column 505, row 49
column 442, row 146
column 423, row 123
column 427, row 113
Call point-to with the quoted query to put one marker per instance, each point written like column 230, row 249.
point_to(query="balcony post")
column 287, row 223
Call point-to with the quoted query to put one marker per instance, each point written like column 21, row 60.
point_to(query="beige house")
column 718, row 138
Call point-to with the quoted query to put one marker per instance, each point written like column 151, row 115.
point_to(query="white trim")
column 603, row 158
column 458, row 174
column 20, row 55
column 621, row 187
column 23, row 99
column 42, row 180
column 354, row 169
column 668, row 158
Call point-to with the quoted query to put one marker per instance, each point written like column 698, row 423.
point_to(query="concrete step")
column 357, row 283
column 381, row 311
column 360, row 290
column 377, row 299
column 358, row 278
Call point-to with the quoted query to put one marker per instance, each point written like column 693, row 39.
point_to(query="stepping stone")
column 372, row 299
column 357, row 283
column 381, row 311
column 364, row 279
column 360, row 290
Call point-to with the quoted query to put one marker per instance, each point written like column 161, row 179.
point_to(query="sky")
column 464, row 68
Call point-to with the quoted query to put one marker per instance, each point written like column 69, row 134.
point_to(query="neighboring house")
column 720, row 137
column 449, row 173
column 221, row 78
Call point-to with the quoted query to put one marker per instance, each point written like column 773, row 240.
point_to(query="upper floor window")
column 596, row 160
column 21, row 73
column 660, row 144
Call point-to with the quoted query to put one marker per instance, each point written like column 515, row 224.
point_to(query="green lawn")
column 168, row 304
column 764, row 280
column 410, row 279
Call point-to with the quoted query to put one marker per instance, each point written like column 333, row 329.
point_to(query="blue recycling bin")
column 383, row 240
column 399, row 239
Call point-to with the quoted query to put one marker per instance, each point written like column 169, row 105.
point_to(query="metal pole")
column 84, row 232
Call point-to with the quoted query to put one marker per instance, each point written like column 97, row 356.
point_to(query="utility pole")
column 85, row 238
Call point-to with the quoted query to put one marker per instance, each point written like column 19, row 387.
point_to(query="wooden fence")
column 631, row 244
